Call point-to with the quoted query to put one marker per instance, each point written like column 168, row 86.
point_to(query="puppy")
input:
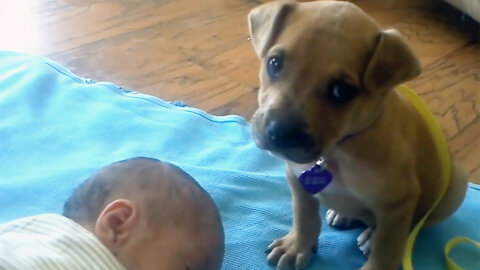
column 328, row 78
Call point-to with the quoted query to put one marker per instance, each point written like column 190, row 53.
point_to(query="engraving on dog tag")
column 315, row 179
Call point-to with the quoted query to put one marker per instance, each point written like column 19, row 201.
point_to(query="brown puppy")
column 328, row 78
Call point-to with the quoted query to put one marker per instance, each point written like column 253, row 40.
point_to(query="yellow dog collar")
column 442, row 148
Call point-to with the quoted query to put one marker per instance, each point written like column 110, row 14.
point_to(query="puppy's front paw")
column 338, row 221
column 364, row 241
column 291, row 251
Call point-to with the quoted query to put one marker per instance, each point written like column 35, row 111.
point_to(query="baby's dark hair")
column 86, row 201
column 88, row 198
column 122, row 179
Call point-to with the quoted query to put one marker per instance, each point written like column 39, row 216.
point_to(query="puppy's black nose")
column 288, row 134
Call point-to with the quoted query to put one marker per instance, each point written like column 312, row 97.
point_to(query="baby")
column 139, row 214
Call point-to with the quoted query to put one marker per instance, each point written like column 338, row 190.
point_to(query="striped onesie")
column 52, row 241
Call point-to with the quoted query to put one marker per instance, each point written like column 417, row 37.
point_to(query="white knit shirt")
column 52, row 242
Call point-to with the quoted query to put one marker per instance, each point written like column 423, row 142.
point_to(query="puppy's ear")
column 265, row 23
column 392, row 62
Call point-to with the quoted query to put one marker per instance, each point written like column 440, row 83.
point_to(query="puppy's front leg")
column 390, row 235
column 295, row 249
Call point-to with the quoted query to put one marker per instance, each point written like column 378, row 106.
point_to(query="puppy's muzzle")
column 285, row 135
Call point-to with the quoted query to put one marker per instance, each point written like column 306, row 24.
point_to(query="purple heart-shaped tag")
column 315, row 179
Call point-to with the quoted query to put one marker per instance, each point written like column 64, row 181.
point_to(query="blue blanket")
column 57, row 128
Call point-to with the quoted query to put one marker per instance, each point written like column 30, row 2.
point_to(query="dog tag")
column 315, row 179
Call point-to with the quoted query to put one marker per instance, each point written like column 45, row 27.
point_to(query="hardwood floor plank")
column 244, row 105
column 428, row 27
column 240, row 64
column 451, row 88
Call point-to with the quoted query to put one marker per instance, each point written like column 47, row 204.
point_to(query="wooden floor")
column 198, row 51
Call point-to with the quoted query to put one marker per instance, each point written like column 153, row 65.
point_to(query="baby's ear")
column 116, row 223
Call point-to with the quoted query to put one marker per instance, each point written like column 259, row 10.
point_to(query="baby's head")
column 150, row 215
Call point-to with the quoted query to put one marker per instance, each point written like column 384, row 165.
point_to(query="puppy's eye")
column 341, row 92
column 274, row 66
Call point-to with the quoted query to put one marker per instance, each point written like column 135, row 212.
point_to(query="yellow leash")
column 442, row 147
